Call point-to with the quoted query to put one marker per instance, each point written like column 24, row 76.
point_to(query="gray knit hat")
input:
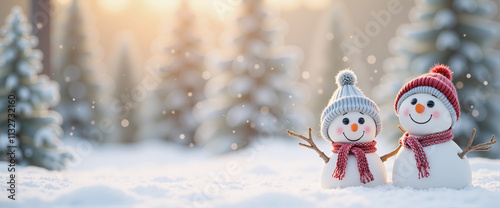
column 348, row 98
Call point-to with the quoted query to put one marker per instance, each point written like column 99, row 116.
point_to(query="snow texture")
column 160, row 174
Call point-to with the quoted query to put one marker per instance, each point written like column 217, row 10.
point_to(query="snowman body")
column 446, row 168
column 352, row 177
column 353, row 127
column 423, row 114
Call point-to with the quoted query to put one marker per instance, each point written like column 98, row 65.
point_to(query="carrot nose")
column 419, row 108
column 354, row 127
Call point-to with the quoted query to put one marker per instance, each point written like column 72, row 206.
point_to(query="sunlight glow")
column 114, row 5
column 285, row 5
column 204, row 6
column 199, row 6
column 162, row 5
column 289, row 5
column 215, row 8
column 316, row 4
column 63, row 2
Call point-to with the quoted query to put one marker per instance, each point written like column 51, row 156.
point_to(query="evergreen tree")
column 458, row 33
column 38, row 129
column 79, row 71
column 126, row 74
column 254, row 91
column 179, row 56
column 334, row 51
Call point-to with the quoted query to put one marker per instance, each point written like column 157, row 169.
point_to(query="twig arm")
column 390, row 154
column 393, row 152
column 311, row 144
column 480, row 147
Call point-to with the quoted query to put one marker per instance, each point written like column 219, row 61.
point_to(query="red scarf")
column 417, row 144
column 359, row 150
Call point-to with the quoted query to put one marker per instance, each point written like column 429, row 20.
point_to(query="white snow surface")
column 271, row 173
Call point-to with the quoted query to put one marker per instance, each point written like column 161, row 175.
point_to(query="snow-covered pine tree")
column 179, row 56
column 126, row 72
column 79, row 71
column 38, row 129
column 461, row 34
column 254, row 92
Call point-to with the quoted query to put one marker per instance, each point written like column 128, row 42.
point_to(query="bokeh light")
column 114, row 5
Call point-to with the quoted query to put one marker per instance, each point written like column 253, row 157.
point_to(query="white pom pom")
column 346, row 77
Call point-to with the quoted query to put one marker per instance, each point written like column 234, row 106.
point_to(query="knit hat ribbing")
column 438, row 83
column 348, row 98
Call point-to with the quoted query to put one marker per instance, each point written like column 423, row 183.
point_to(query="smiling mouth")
column 420, row 122
column 355, row 140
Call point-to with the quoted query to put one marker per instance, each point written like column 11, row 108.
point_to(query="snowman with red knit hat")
column 428, row 108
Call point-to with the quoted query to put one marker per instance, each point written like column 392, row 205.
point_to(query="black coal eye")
column 430, row 103
column 345, row 121
column 414, row 101
column 361, row 120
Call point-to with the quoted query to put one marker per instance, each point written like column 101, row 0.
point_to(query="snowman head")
column 350, row 116
column 422, row 114
column 428, row 104
column 351, row 127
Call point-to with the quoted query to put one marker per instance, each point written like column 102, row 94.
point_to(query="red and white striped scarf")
column 359, row 150
column 417, row 144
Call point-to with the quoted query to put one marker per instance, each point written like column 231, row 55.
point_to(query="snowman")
column 350, row 123
column 428, row 109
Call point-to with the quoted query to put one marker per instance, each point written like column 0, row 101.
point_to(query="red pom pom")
column 442, row 69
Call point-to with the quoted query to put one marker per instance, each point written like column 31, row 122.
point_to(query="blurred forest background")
column 219, row 74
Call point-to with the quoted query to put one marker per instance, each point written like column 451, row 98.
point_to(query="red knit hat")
column 438, row 83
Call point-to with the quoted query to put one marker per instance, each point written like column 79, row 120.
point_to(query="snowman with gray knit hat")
column 350, row 123
column 428, row 108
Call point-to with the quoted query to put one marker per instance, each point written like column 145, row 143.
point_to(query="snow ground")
column 271, row 173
